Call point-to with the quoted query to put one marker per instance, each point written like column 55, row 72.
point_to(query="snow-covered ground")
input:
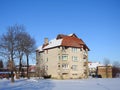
column 49, row 84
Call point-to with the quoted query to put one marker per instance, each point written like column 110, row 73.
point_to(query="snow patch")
column 49, row 84
column 53, row 43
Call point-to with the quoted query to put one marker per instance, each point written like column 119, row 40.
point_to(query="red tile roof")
column 65, row 40
column 72, row 41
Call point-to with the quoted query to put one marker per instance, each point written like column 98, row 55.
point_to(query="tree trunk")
column 106, row 71
column 20, row 67
column 27, row 67
column 12, row 72
column 12, row 76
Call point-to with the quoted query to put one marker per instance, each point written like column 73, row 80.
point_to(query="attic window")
column 74, row 49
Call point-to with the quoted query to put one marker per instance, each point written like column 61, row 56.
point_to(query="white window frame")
column 74, row 58
column 64, row 57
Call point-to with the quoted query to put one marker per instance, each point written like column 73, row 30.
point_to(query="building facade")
column 65, row 57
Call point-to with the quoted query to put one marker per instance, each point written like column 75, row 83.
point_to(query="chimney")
column 45, row 41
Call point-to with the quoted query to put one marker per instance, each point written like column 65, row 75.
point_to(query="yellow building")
column 65, row 57
column 105, row 71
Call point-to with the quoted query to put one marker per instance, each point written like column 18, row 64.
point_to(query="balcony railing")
column 65, row 71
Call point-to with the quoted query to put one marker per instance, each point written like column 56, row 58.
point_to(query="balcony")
column 65, row 71
column 84, row 56
column 85, row 64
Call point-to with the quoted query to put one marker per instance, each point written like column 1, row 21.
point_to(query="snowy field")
column 49, row 84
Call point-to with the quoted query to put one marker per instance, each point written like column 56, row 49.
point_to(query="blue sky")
column 97, row 22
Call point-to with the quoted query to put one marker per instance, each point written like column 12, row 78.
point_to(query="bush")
column 47, row 76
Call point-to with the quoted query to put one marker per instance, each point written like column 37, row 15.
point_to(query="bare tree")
column 29, row 48
column 106, row 62
column 20, row 47
column 115, row 68
column 116, row 64
column 25, row 46
column 8, row 47
column 14, row 44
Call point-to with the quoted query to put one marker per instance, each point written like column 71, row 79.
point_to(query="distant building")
column 97, row 69
column 31, row 70
column 93, row 67
column 105, row 71
column 64, row 57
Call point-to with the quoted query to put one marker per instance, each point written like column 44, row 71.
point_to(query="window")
column 74, row 50
column 65, row 66
column 74, row 58
column 74, row 67
column 59, row 58
column 64, row 57
column 46, row 60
